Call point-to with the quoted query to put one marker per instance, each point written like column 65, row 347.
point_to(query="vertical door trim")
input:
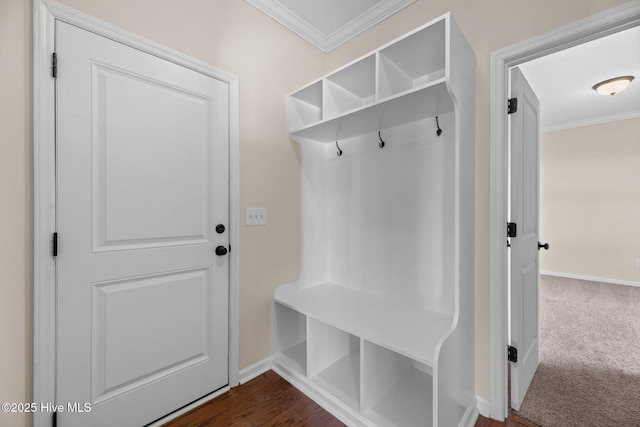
column 600, row 25
column 46, row 12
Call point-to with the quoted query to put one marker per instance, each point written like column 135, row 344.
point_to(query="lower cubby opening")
column 290, row 338
column 334, row 362
column 397, row 391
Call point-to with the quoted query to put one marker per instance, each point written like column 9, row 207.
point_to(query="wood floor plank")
column 269, row 400
column 486, row 422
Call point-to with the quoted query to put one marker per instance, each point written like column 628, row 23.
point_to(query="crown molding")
column 592, row 121
column 327, row 43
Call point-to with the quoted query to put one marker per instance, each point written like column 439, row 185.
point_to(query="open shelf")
column 305, row 106
column 349, row 88
column 428, row 101
column 411, row 331
column 334, row 362
column 397, row 391
column 400, row 83
column 413, row 61
column 290, row 338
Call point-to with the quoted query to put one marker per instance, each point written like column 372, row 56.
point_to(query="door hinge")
column 512, row 354
column 54, row 246
column 512, row 105
column 54, row 419
column 54, row 65
column 512, row 229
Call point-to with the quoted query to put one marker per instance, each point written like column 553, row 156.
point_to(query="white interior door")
column 142, row 182
column 525, row 326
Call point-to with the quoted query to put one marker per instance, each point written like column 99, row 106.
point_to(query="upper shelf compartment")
column 305, row 106
column 403, row 81
column 413, row 61
column 349, row 88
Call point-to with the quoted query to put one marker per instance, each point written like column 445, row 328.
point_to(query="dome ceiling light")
column 613, row 86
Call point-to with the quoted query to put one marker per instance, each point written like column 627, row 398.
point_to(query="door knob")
column 545, row 246
column 221, row 250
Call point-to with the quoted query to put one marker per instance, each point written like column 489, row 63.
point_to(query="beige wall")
column 590, row 200
column 15, row 207
column 271, row 62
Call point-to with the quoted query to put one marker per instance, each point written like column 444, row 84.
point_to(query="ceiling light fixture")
column 613, row 86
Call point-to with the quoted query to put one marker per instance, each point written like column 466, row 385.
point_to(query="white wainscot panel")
column 133, row 320
column 152, row 177
column 379, row 200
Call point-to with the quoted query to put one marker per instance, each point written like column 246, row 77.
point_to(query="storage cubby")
column 396, row 390
column 305, row 106
column 349, row 88
column 334, row 362
column 290, row 338
column 388, row 235
column 413, row 61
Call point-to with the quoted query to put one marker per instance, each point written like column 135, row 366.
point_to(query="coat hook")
column 439, row 131
column 339, row 150
column 381, row 144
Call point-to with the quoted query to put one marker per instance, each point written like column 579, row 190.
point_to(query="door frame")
column 605, row 23
column 46, row 12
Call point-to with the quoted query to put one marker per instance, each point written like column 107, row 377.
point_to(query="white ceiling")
column 563, row 81
column 329, row 23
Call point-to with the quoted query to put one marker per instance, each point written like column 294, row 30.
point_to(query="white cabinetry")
column 379, row 328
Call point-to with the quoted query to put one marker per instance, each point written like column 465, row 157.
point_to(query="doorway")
column 47, row 17
column 587, row 154
column 609, row 22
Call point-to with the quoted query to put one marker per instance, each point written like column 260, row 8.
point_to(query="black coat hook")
column 381, row 143
column 339, row 150
column 439, row 131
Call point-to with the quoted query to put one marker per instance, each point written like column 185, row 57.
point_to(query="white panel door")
column 142, row 182
column 525, row 326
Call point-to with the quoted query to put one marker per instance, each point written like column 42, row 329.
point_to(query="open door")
column 525, row 326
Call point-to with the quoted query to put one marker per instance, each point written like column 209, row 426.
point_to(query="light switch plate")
column 255, row 216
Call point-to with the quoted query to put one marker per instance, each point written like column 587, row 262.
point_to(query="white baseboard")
column 591, row 278
column 484, row 407
column 259, row 368
column 470, row 416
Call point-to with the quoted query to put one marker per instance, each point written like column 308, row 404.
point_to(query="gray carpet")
column 589, row 374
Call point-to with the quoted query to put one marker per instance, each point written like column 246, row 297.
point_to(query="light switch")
column 255, row 216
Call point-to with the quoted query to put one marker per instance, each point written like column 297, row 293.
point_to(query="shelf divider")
column 334, row 362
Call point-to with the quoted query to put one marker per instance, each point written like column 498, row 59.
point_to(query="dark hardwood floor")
column 269, row 400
